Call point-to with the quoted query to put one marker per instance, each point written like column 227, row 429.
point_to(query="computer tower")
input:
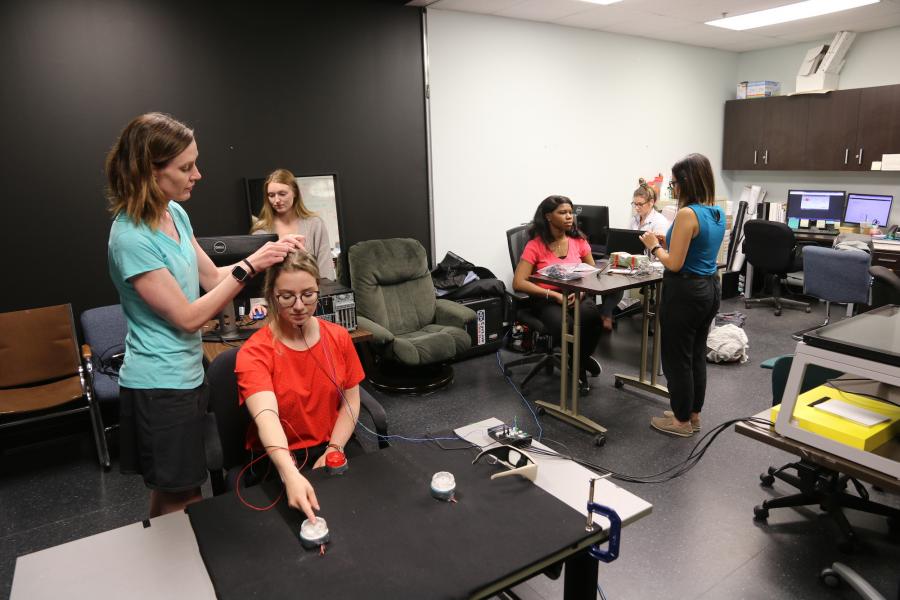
column 337, row 304
column 488, row 328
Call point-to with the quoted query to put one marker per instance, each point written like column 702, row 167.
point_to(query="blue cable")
column 524, row 400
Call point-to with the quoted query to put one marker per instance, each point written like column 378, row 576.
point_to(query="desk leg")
column 570, row 415
column 642, row 381
column 581, row 577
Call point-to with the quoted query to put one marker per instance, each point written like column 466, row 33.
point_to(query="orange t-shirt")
column 305, row 382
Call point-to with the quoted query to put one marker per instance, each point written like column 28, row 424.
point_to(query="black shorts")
column 161, row 436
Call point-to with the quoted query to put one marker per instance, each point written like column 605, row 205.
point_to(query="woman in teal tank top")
column 158, row 268
column 690, row 293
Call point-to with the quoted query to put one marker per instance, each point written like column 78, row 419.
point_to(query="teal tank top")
column 703, row 249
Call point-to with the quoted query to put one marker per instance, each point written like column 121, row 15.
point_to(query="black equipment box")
column 487, row 329
column 337, row 304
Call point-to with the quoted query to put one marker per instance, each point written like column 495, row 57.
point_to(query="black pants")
column 550, row 315
column 688, row 306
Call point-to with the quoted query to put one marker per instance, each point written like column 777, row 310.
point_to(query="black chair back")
column 769, row 245
column 516, row 240
column 885, row 287
column 232, row 419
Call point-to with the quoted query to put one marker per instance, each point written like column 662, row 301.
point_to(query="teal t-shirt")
column 157, row 354
column 703, row 250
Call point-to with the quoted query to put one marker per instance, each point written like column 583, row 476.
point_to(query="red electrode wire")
column 237, row 483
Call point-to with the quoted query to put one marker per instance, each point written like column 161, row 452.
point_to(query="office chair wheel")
column 619, row 383
column 766, row 480
column 760, row 513
column 830, row 578
column 777, row 312
column 600, row 440
column 808, row 310
column 541, row 411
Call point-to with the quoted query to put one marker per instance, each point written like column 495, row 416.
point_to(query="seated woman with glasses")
column 556, row 240
column 644, row 218
column 299, row 378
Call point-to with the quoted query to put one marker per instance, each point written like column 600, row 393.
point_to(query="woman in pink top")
column 556, row 240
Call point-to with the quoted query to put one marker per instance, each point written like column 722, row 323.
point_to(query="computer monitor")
column 226, row 250
column 868, row 208
column 806, row 207
column 593, row 221
column 625, row 240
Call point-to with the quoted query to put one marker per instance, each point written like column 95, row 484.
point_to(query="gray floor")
column 699, row 542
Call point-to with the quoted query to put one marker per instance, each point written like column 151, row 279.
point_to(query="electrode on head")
column 443, row 486
column 313, row 535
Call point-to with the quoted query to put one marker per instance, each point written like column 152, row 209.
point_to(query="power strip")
column 511, row 436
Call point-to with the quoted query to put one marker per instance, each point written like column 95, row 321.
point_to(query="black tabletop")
column 389, row 537
column 874, row 335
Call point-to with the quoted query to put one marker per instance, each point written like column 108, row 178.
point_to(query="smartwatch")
column 241, row 274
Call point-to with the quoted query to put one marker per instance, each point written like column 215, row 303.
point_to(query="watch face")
column 239, row 273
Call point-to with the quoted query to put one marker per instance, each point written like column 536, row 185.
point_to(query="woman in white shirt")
column 644, row 218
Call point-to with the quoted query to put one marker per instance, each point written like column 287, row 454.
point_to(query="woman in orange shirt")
column 299, row 378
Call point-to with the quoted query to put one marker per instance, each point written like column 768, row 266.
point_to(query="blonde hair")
column 645, row 191
column 266, row 220
column 296, row 260
column 148, row 142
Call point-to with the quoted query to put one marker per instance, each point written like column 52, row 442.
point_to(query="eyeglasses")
column 513, row 459
column 289, row 299
column 638, row 204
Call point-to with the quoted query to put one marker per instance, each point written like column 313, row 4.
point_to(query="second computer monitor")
column 868, row 208
column 807, row 207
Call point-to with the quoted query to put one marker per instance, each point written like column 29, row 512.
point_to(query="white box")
column 812, row 60
column 761, row 89
column 817, row 82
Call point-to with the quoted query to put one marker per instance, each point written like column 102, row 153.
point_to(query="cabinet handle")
column 860, row 156
column 846, row 155
column 766, row 156
column 754, row 157
column 888, row 260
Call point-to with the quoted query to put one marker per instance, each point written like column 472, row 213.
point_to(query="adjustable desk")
column 389, row 537
column 602, row 283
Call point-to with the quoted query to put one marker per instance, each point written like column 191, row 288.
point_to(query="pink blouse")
column 538, row 254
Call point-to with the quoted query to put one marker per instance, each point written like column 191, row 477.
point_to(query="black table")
column 391, row 539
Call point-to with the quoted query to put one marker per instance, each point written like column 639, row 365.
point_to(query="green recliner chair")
column 415, row 334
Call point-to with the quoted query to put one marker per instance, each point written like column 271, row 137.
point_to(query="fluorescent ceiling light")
column 603, row 2
column 791, row 12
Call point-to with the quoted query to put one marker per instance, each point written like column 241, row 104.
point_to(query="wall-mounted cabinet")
column 844, row 130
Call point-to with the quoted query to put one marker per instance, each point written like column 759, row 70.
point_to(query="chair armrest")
column 517, row 296
column 381, row 335
column 376, row 411
column 86, row 352
column 448, row 312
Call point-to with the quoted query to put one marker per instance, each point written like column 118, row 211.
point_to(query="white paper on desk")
column 585, row 268
column 851, row 412
column 620, row 271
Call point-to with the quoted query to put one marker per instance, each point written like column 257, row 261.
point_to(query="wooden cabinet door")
column 743, row 134
column 784, row 133
column 879, row 125
column 832, row 131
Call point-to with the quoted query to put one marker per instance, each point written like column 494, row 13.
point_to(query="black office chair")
column 772, row 248
column 817, row 485
column 226, row 451
column 885, row 286
column 547, row 358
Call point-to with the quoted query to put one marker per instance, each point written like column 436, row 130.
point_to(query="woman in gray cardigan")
column 284, row 213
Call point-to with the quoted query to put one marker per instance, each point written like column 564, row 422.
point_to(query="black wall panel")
column 314, row 86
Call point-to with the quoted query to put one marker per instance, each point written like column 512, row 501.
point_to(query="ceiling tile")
column 545, row 10
column 475, row 6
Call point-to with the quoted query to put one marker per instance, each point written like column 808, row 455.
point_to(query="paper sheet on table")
column 585, row 268
column 857, row 414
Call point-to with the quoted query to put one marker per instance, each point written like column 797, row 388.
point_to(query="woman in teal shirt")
column 158, row 268
column 690, row 293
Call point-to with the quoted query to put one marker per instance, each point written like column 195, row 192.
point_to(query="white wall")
column 871, row 61
column 521, row 110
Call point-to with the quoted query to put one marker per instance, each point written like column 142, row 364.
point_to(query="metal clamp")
column 615, row 527
column 615, row 533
